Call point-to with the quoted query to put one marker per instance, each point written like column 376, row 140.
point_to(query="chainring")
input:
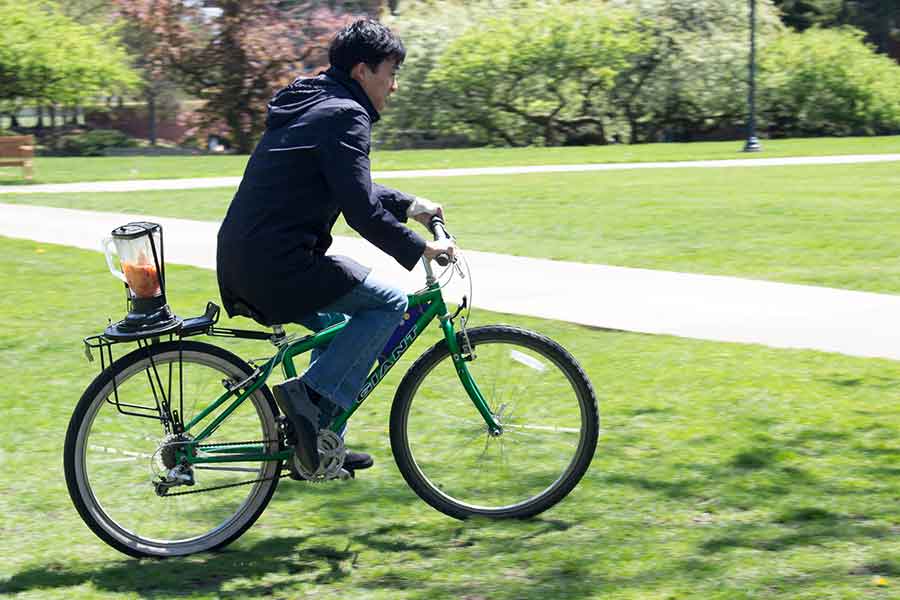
column 331, row 458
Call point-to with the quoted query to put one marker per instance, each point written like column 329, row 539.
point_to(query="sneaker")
column 293, row 400
column 356, row 461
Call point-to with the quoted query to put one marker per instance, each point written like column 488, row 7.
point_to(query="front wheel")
column 535, row 390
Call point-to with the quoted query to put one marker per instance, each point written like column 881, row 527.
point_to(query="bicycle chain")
column 228, row 485
column 222, row 487
column 220, row 444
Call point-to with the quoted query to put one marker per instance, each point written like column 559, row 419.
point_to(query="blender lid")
column 135, row 230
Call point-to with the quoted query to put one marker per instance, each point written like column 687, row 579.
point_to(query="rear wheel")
column 535, row 390
column 112, row 459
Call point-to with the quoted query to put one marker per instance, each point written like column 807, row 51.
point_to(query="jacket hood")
column 306, row 92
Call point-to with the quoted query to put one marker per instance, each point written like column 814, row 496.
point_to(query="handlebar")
column 440, row 233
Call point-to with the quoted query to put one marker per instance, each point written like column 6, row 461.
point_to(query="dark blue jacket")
column 311, row 165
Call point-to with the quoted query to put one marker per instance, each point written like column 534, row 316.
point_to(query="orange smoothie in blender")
column 142, row 279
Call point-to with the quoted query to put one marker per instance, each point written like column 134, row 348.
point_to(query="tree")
column 880, row 19
column 418, row 110
column 671, row 69
column 540, row 74
column 47, row 57
column 803, row 14
column 155, row 87
column 372, row 8
column 828, row 82
column 233, row 54
column 520, row 72
column 693, row 77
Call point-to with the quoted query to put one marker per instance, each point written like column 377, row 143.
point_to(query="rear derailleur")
column 171, row 473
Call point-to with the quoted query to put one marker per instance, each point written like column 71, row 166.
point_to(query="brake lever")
column 458, row 269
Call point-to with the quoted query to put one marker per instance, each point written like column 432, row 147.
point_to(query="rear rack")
column 104, row 345
column 205, row 324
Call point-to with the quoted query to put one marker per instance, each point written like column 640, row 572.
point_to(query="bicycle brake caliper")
column 467, row 351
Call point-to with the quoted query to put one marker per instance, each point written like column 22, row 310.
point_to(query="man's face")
column 378, row 84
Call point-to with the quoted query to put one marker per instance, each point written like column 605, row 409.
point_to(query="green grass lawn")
column 836, row 226
column 59, row 170
column 724, row 471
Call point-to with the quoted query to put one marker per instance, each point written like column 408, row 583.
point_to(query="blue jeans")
column 339, row 370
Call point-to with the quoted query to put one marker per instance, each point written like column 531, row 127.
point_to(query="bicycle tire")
column 98, row 429
column 441, row 464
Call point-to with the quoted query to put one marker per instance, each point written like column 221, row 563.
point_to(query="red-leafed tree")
column 233, row 54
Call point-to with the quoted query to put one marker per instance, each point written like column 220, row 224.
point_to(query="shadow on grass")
column 765, row 477
column 203, row 573
column 239, row 571
column 811, row 527
column 882, row 383
column 648, row 410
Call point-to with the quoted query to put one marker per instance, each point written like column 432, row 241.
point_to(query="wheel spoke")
column 126, row 453
column 538, row 395
column 114, row 461
column 537, row 428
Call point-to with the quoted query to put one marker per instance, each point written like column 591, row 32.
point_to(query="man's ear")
column 357, row 71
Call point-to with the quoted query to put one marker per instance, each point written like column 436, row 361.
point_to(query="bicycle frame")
column 435, row 307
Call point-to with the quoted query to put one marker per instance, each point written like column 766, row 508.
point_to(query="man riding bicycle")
column 311, row 165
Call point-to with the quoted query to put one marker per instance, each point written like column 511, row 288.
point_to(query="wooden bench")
column 17, row 151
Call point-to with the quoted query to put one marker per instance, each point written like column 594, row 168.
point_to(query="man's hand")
column 432, row 249
column 422, row 209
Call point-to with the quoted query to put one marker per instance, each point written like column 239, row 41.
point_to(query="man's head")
column 371, row 54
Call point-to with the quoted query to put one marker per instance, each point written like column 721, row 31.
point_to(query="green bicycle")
column 177, row 446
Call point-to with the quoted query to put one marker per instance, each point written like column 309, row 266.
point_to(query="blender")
column 139, row 247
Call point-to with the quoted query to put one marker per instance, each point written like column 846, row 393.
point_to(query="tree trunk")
column 52, row 117
column 151, row 116
column 40, row 117
column 550, row 138
column 243, row 140
column 633, row 135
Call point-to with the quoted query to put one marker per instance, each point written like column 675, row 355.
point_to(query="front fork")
column 460, row 357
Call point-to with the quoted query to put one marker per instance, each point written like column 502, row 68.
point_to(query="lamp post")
column 752, row 143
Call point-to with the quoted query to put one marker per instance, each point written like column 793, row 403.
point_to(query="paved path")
column 659, row 302
column 232, row 182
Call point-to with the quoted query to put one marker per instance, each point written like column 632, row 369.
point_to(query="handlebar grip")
column 437, row 229
column 440, row 233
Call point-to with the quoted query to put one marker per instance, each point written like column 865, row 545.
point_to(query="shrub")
column 92, row 143
column 417, row 115
column 828, row 82
column 541, row 74
column 550, row 72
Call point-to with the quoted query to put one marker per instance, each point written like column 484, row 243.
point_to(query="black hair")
column 364, row 41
